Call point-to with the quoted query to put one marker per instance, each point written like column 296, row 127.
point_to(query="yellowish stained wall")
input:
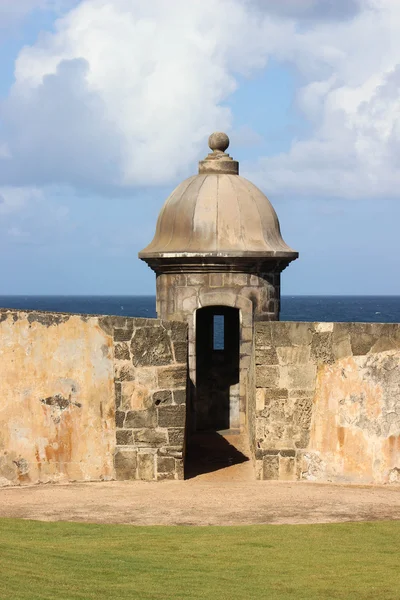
column 56, row 399
column 328, row 402
column 356, row 418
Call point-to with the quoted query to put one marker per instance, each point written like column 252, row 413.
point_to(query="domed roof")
column 217, row 213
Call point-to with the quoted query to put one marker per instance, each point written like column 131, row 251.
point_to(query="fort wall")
column 86, row 398
column 328, row 402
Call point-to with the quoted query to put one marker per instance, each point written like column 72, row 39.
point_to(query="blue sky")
column 106, row 105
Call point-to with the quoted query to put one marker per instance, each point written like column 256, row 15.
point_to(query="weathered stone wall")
column 180, row 294
column 56, row 398
column 256, row 295
column 87, row 397
column 150, row 392
column 328, row 401
column 251, row 398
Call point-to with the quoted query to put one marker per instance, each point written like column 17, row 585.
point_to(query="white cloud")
column 351, row 96
column 125, row 92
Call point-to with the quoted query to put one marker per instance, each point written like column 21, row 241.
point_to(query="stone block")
column 260, row 399
column 172, row 377
column 125, row 463
column 142, row 322
column 245, row 361
column 271, row 467
column 146, row 466
column 303, row 438
column 247, row 334
column 146, row 376
column 119, row 418
column 177, row 330
column 258, row 469
column 123, row 335
column 341, row 346
column 263, row 334
column 151, row 346
column 275, row 393
column 176, row 436
column 321, row 348
column 117, row 392
column 162, row 397
column 287, row 468
column 302, row 412
column 179, row 468
column 292, row 355
column 108, row 323
column 181, row 351
column 218, row 298
column 240, row 279
column 246, row 348
column 298, row 376
column 141, row 418
column 287, row 452
column 165, row 464
column 266, row 356
column 189, row 305
column 216, row 280
column 247, row 318
column 384, row 343
column 274, row 410
column 134, row 396
column 180, row 396
column 166, row 476
column 150, row 437
column 124, row 371
column 289, row 333
column 121, row 351
column 172, row 416
column 174, row 451
column 298, row 393
column 124, row 437
column 196, row 279
column 361, row 339
column 324, row 327
column 267, row 377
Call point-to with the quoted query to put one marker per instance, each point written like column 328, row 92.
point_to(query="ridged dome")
column 217, row 213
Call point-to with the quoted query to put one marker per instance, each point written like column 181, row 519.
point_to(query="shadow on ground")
column 210, row 451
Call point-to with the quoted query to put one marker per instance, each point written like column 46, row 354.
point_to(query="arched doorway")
column 214, row 413
column 216, row 399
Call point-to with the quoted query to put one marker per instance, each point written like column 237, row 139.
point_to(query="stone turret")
column 218, row 252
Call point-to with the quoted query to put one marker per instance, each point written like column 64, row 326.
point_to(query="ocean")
column 378, row 309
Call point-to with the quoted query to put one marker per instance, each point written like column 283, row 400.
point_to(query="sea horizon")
column 294, row 307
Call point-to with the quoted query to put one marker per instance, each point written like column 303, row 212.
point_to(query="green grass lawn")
column 70, row 561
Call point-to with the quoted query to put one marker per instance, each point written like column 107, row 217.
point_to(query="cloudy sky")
column 105, row 105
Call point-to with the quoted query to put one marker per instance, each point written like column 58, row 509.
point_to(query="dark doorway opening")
column 217, row 367
column 215, row 399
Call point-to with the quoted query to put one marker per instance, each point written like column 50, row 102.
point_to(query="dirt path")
column 197, row 502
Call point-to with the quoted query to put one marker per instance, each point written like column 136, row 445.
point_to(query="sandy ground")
column 222, row 491
column 199, row 502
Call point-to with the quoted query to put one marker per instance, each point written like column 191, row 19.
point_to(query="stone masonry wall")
column 86, row 397
column 180, row 294
column 257, row 296
column 150, row 394
column 328, row 402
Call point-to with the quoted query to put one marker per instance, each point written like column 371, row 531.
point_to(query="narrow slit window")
column 218, row 332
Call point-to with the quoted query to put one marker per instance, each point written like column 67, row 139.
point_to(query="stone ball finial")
column 218, row 141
